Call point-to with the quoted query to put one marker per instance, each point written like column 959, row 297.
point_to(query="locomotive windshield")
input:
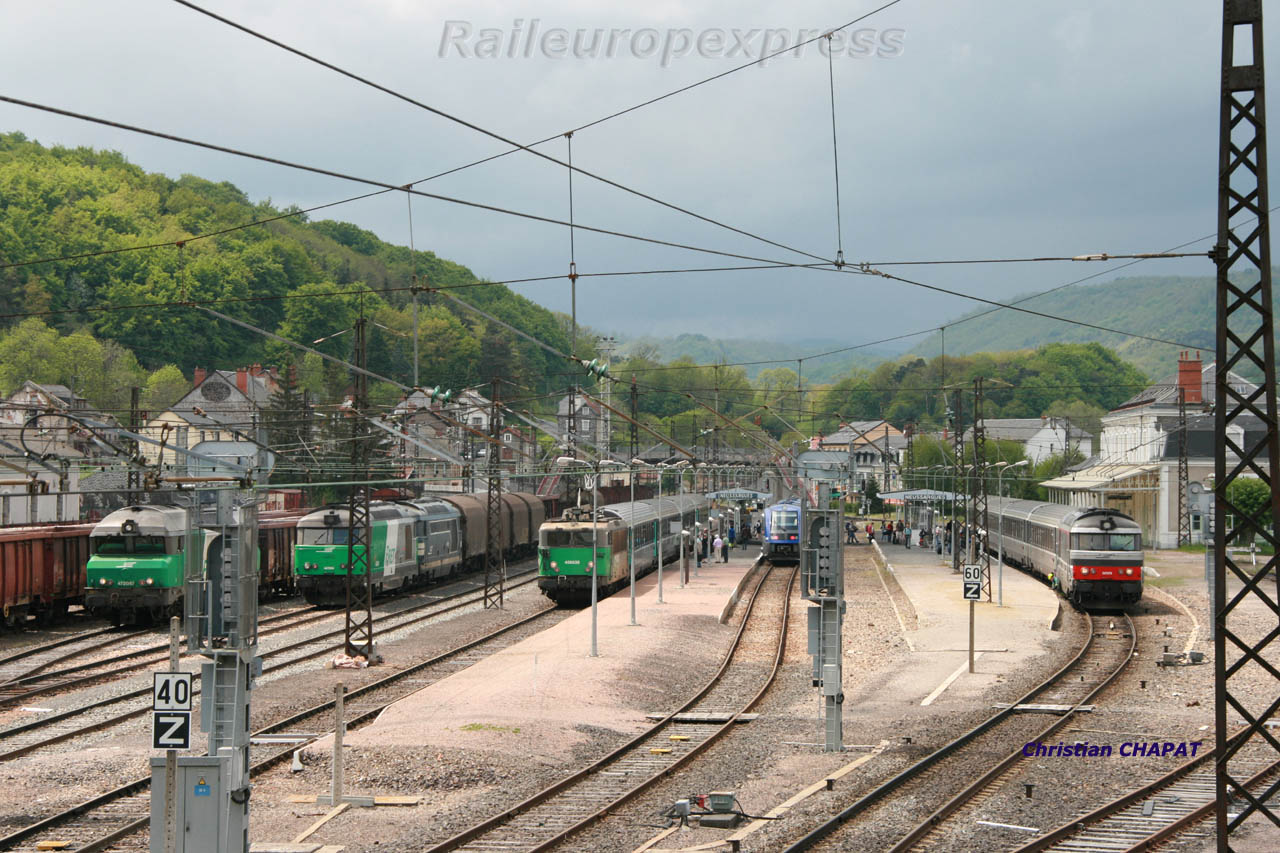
column 560, row 538
column 115, row 545
column 1106, row 541
column 786, row 521
column 322, row 536
column 1126, row 541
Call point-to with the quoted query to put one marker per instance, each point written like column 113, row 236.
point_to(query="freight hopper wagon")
column 573, row 549
column 1093, row 554
column 41, row 570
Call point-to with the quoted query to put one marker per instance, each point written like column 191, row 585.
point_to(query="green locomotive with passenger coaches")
column 567, row 561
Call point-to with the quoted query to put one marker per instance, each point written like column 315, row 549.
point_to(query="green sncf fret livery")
column 138, row 563
column 567, row 563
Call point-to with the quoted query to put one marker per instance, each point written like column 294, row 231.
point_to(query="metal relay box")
column 200, row 807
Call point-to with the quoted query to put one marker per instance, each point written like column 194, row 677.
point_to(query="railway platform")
column 546, row 693
column 1005, row 637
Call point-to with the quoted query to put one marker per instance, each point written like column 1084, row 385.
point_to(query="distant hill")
column 705, row 350
column 1177, row 308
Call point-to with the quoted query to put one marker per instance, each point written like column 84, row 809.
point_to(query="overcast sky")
column 967, row 129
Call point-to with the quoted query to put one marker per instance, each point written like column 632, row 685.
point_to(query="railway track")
column 32, row 660
column 25, row 738
column 570, row 805
column 110, row 819
column 1169, row 807
column 39, row 680
column 981, row 755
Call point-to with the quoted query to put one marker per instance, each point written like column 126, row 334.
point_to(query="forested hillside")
column 108, row 320
column 304, row 280
column 1176, row 308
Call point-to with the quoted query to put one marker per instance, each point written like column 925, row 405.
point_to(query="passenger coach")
column 566, row 561
column 1095, row 554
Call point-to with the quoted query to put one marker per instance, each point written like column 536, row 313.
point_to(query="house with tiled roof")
column 1136, row 466
column 222, row 405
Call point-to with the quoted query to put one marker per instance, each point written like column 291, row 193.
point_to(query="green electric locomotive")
column 574, row 548
column 137, row 565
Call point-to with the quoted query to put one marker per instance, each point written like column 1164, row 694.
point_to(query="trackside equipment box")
column 199, row 807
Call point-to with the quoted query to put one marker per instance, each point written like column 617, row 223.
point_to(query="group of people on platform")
column 716, row 545
column 901, row 533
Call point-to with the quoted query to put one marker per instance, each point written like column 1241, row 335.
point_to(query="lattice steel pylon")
column 1184, row 508
column 978, row 489
column 495, row 568
column 1246, row 683
column 359, row 617
column 957, row 439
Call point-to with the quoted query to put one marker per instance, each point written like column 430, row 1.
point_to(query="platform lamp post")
column 679, row 467
column 1000, row 524
column 631, row 537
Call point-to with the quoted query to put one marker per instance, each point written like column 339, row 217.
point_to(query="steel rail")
column 26, row 749
column 705, row 744
column 130, row 788
column 1120, row 803
column 41, row 648
column 934, row 820
column 150, row 654
column 871, row 797
column 546, row 794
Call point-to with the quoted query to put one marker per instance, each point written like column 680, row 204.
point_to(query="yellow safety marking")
column 659, row 750
column 677, row 737
column 52, row 845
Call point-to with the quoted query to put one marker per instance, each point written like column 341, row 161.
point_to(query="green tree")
column 164, row 387
column 1252, row 499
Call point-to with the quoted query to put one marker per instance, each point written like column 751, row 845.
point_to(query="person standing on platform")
column 906, row 535
column 724, row 550
column 716, row 545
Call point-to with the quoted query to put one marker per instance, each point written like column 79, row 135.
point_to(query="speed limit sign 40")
column 171, row 691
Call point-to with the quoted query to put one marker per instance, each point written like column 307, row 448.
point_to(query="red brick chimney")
column 1190, row 376
column 198, row 376
column 242, row 379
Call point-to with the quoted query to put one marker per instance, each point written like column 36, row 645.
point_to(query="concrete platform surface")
column 1005, row 638
column 544, row 693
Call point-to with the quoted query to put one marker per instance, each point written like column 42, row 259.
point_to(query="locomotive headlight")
column 148, row 581
column 1128, row 571
column 591, row 564
column 104, row 581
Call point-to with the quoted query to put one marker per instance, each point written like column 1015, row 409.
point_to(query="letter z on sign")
column 171, row 730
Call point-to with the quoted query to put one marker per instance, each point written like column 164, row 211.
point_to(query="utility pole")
column 1245, row 340
column 957, row 445
column 885, row 459
column 359, row 616
column 979, row 489
column 135, row 421
column 635, row 409
column 1184, row 508
column 495, row 570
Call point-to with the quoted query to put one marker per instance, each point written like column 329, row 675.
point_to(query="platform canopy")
column 739, row 495
column 920, row 496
